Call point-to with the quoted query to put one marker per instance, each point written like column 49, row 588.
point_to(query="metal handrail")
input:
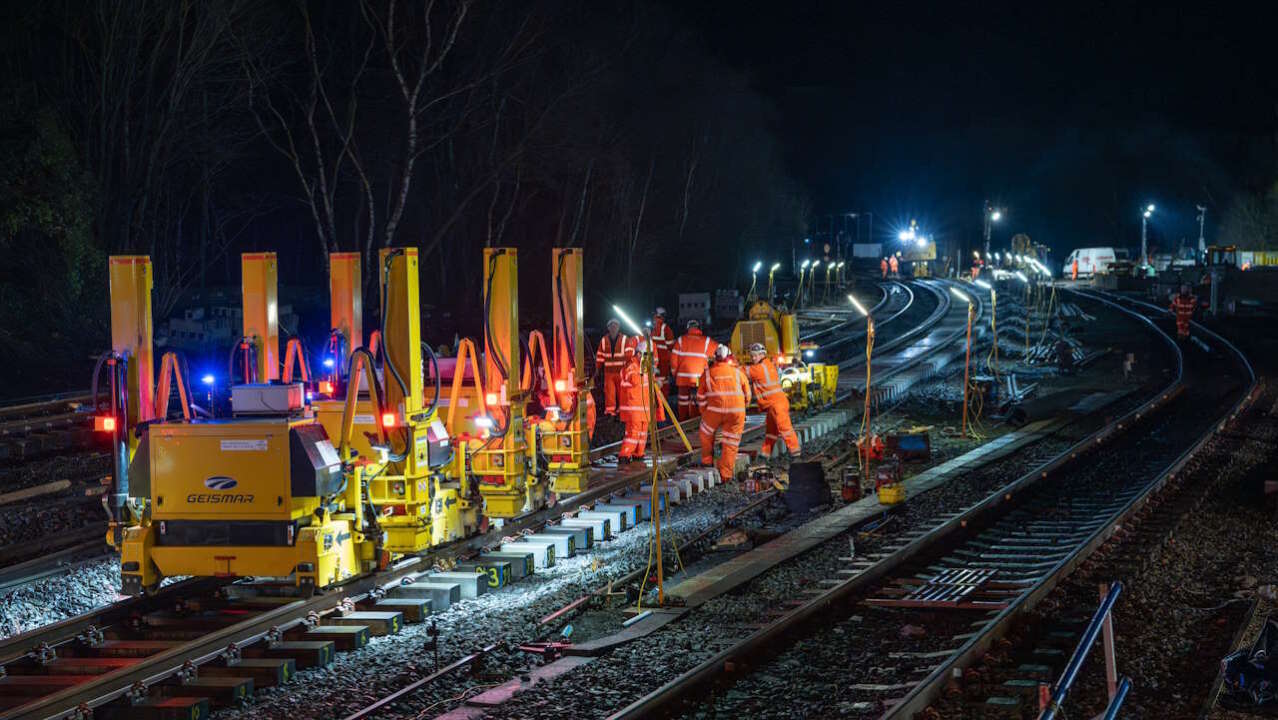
column 1075, row 664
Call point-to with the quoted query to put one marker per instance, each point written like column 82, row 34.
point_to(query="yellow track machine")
column 810, row 386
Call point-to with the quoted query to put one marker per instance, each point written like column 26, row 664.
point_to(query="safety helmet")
column 613, row 322
column 660, row 312
column 693, row 324
column 757, row 349
column 722, row 352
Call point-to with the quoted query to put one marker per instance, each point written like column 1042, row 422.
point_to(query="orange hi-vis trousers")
column 777, row 425
column 729, row 427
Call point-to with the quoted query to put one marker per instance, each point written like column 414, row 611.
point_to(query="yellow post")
column 967, row 365
column 397, row 277
column 261, row 311
column 508, row 491
column 994, row 327
column 569, row 365
column 347, row 305
column 655, row 499
column 131, row 332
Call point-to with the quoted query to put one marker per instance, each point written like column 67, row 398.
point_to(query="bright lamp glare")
column 982, row 285
column 996, row 216
column 483, row 421
column 328, row 362
column 805, row 264
column 960, row 295
column 1147, row 214
column 859, row 307
column 903, row 235
column 208, row 379
column 1021, row 276
column 775, row 267
column 626, row 319
column 1149, row 208
column 757, row 266
column 839, row 265
column 922, row 242
column 818, row 262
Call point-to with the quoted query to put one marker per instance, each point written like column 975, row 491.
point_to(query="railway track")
column 141, row 670
column 982, row 566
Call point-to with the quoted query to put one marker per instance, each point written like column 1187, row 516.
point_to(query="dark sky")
column 1071, row 116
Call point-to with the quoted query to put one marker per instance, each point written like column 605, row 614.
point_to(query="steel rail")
column 421, row 682
column 930, row 688
column 767, row 636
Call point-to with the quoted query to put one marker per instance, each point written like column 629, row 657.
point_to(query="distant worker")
column 634, row 407
column 1073, row 272
column 724, row 394
column 614, row 348
column 690, row 354
column 1184, row 305
column 765, row 381
column 883, row 265
column 894, row 266
column 663, row 340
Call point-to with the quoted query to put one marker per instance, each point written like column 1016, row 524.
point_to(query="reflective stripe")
column 688, row 375
column 769, row 436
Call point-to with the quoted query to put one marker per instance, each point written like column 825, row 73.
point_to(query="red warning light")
column 560, row 386
column 104, row 424
column 389, row 420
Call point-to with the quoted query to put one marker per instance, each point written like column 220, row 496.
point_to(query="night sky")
column 1072, row 117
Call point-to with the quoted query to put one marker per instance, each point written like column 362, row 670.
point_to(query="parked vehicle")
column 1092, row 261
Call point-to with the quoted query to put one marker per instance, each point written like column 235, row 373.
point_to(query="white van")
column 1092, row 260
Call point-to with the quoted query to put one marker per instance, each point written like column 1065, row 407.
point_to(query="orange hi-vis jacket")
column 634, row 393
column 724, row 390
column 690, row 355
column 765, row 380
column 612, row 354
column 663, row 341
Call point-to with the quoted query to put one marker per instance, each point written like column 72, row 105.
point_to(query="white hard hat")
column 613, row 321
column 722, row 352
column 693, row 324
column 757, row 349
column 660, row 311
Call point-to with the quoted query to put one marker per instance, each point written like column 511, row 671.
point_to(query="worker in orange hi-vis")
column 1073, row 272
column 689, row 356
column 614, row 347
column 894, row 266
column 765, row 382
column 663, row 341
column 723, row 396
column 1184, row 305
column 634, row 407
column 883, row 265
